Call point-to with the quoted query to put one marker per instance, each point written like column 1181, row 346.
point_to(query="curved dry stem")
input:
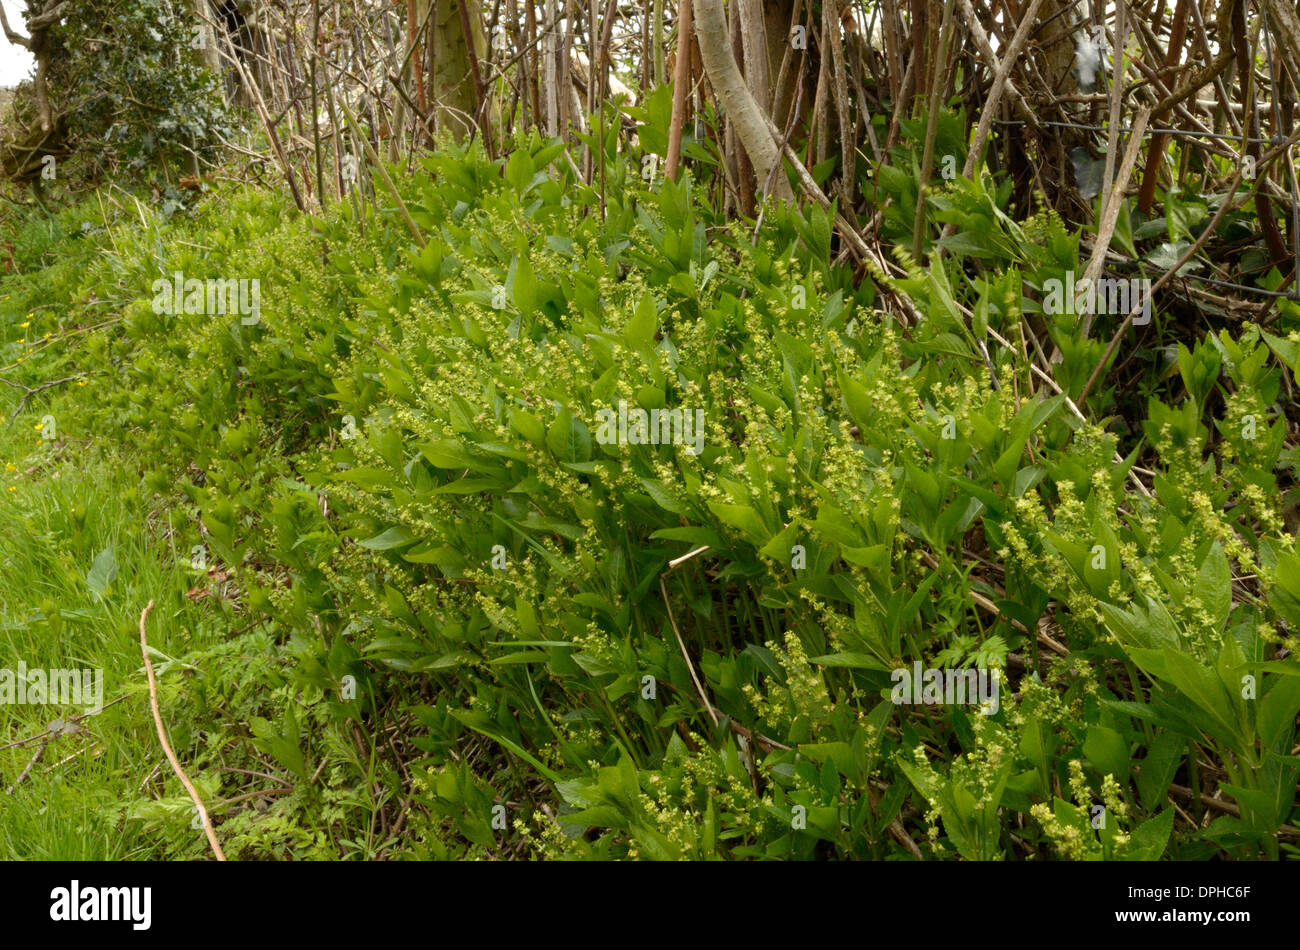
column 167, row 746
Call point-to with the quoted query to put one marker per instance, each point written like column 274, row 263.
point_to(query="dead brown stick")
column 690, row 664
column 1164, row 279
column 1114, row 340
column 986, row 51
column 864, row 252
column 1002, row 71
column 1110, row 211
column 898, row 831
column 167, row 746
column 681, row 79
column 1226, row 808
column 1116, row 107
column 988, row 605
column 33, row 390
column 1156, row 150
column 1199, row 80
column 36, row 757
column 268, row 125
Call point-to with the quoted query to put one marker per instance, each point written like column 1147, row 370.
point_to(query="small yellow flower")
column 13, row 487
column 81, row 382
column 10, row 467
column 25, row 324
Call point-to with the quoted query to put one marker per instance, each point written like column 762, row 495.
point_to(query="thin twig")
column 690, row 664
column 33, row 390
column 1001, row 73
column 40, row 751
column 167, row 746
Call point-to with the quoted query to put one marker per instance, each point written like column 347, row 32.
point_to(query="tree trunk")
column 742, row 168
column 451, row 76
column 207, row 52
column 748, row 118
column 549, row 76
column 681, row 80
column 778, row 17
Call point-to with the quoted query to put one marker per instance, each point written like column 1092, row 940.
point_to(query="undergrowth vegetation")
column 417, row 599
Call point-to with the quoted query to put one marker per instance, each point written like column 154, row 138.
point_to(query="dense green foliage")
column 129, row 97
column 396, row 476
column 132, row 84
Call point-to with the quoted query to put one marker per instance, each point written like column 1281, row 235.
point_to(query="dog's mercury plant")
column 484, row 566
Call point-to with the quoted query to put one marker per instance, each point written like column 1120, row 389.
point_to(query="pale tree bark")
column 1054, row 44
column 203, row 42
column 739, row 168
column 452, row 80
column 42, row 15
column 207, row 53
column 748, row 118
column 1286, row 29
column 416, row 11
column 22, row 156
column 753, row 34
column 549, row 76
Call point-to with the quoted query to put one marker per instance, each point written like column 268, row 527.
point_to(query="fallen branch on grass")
column 167, row 748
column 31, row 391
column 40, row 751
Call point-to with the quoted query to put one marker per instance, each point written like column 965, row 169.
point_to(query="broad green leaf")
column 1214, row 585
column 744, row 518
column 529, row 426
column 1159, row 767
column 103, row 571
column 1149, row 839
column 1285, row 595
column 856, row 661
column 569, row 438
column 1277, row 710
column 857, row 399
column 394, row 537
column 1107, row 751
column 641, row 327
column 447, row 453
column 1197, row 683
